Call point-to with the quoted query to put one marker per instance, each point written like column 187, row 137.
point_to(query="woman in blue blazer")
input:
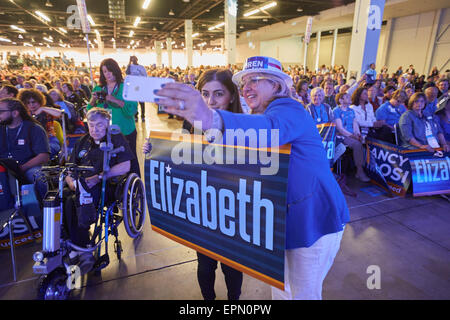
column 316, row 208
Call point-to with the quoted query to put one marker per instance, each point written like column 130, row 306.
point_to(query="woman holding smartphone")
column 219, row 93
column 108, row 95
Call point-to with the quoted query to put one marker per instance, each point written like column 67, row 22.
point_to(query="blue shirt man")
column 371, row 74
column 390, row 112
column 430, row 108
column 347, row 117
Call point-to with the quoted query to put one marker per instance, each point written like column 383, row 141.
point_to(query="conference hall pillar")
column 169, row 51
column 158, row 49
column 316, row 66
column 230, row 30
column 333, row 52
column 188, row 41
column 365, row 35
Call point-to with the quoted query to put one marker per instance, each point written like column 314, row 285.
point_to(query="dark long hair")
column 17, row 105
column 113, row 67
column 224, row 76
column 356, row 96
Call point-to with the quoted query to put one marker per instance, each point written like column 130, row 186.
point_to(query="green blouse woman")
column 108, row 94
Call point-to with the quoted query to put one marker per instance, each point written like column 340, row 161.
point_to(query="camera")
column 101, row 96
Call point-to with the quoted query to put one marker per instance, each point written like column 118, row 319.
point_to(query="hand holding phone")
column 141, row 89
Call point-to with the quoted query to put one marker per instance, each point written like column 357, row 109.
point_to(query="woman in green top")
column 109, row 96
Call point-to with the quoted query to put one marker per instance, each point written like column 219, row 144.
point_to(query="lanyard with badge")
column 318, row 114
column 113, row 91
column 431, row 139
column 20, row 142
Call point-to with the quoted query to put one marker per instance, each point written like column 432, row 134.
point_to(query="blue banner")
column 229, row 212
column 21, row 233
column 387, row 166
column 430, row 174
column 328, row 133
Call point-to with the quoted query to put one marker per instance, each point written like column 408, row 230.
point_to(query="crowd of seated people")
column 375, row 105
column 378, row 102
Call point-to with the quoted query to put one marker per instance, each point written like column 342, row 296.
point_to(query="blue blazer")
column 315, row 203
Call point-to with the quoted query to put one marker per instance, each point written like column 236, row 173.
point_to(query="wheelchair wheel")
column 134, row 205
column 53, row 286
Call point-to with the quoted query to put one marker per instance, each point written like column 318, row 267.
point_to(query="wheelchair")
column 58, row 277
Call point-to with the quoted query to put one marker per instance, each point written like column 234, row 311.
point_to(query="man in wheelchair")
column 83, row 196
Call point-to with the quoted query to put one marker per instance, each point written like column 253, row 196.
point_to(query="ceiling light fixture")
column 195, row 35
column 268, row 6
column 18, row 29
column 43, row 16
column 217, row 26
column 48, row 4
column 131, row 33
column 47, row 39
column 250, row 13
column 146, row 3
column 171, row 13
column 264, row 7
column 4, row 39
column 62, row 29
column 136, row 22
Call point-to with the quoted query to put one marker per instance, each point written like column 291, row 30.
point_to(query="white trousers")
column 306, row 268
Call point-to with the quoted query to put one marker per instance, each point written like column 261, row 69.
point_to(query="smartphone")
column 137, row 88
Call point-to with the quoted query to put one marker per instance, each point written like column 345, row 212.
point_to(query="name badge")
column 21, row 142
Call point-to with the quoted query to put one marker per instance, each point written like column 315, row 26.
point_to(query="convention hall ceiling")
column 52, row 22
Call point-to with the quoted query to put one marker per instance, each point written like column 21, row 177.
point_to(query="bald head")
column 431, row 93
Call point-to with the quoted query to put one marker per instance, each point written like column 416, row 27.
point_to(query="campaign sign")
column 328, row 133
column 388, row 166
column 21, row 235
column 430, row 173
column 229, row 212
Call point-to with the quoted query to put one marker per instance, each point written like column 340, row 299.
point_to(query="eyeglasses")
column 252, row 82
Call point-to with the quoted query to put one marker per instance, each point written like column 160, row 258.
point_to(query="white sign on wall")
column 374, row 21
column 308, row 29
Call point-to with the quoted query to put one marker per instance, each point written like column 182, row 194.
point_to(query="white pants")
column 306, row 268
